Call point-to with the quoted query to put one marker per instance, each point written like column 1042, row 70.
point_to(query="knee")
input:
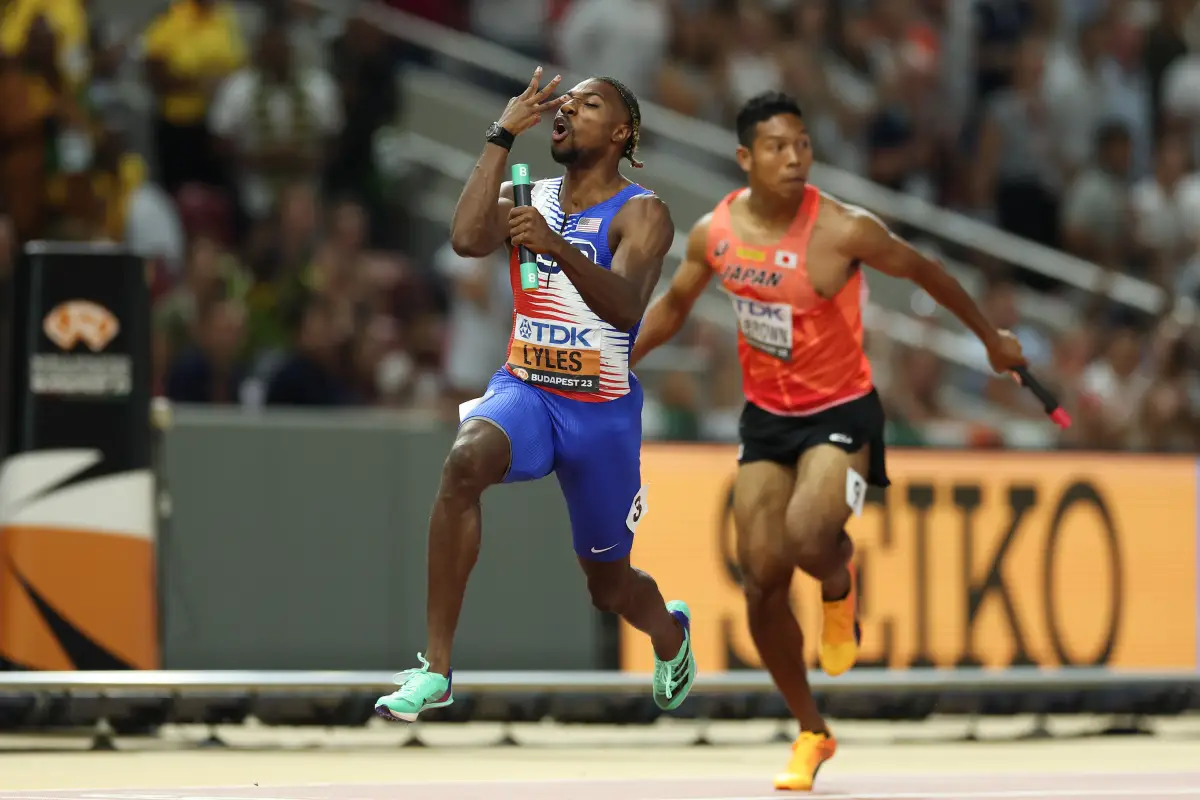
column 608, row 592
column 821, row 551
column 470, row 467
column 765, row 589
column 817, row 545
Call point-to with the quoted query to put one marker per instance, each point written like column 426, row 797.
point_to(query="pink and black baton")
column 1049, row 402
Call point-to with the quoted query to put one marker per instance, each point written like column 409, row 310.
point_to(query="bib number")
column 766, row 327
column 637, row 509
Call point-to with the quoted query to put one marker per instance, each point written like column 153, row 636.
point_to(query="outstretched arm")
column 667, row 314
column 618, row 296
column 870, row 242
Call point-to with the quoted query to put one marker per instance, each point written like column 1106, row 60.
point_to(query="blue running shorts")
column 593, row 448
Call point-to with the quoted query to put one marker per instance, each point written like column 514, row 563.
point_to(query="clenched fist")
column 528, row 228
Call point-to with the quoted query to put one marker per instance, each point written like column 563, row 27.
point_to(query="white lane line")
column 1039, row 794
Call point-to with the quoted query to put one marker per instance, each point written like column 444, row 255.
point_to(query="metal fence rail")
column 1024, row 679
column 139, row 702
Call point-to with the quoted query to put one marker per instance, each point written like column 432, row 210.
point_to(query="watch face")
column 493, row 129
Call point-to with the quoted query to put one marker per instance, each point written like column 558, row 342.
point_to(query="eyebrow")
column 573, row 94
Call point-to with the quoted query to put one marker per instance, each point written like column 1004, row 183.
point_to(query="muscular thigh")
column 520, row 414
column 819, row 505
column 761, row 494
column 598, row 463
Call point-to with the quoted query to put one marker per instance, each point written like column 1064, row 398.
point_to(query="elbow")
column 467, row 245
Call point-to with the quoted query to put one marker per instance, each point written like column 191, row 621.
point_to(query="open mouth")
column 561, row 130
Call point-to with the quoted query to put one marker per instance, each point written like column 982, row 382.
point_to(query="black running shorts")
column 849, row 426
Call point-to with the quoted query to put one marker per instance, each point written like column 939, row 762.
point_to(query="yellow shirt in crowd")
column 198, row 43
column 68, row 20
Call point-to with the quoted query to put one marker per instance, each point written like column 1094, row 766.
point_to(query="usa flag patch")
column 588, row 225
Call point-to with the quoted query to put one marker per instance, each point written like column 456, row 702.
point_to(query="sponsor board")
column 969, row 559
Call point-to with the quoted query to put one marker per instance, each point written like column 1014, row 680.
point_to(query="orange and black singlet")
column 800, row 353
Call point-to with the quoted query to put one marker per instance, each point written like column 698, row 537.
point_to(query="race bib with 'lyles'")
column 556, row 354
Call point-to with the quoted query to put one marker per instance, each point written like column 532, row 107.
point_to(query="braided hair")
column 635, row 119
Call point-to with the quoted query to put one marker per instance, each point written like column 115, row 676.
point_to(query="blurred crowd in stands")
column 255, row 179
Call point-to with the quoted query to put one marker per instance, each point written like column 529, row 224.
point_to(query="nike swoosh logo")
column 605, row 550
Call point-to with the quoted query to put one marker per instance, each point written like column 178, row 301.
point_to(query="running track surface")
column 961, row 787
column 875, row 762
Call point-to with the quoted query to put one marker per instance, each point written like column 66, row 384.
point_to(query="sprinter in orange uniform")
column 790, row 258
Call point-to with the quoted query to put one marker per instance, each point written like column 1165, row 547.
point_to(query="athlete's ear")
column 622, row 132
column 744, row 158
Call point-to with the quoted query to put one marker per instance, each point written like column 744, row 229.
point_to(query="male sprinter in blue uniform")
column 566, row 401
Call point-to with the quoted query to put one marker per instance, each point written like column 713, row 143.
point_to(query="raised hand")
column 526, row 110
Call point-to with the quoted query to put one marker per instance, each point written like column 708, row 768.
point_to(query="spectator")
column 367, row 84
column 210, row 370
column 1096, row 209
column 1112, row 389
column 1019, row 168
column 307, row 27
column 211, row 276
column 312, row 374
column 520, row 25
column 135, row 210
column 480, row 316
column 275, row 122
column 753, row 58
column 1002, row 30
column 1169, row 418
column 685, row 81
column 31, row 109
column 836, row 101
column 1181, row 86
column 280, row 259
column 65, row 195
column 1086, row 86
column 1164, row 45
column 1072, row 354
column 66, row 20
column 381, row 371
column 190, row 49
column 626, row 39
column 915, row 394
column 344, row 273
column 1166, row 207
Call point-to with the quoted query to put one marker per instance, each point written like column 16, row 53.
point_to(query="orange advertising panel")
column 968, row 559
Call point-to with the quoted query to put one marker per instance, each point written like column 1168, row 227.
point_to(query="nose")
column 569, row 108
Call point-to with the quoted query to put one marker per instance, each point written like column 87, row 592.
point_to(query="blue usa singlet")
column 566, row 398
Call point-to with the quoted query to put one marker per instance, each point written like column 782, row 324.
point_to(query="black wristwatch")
column 497, row 135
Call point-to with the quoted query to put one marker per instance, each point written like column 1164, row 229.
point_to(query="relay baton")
column 1049, row 402
column 523, row 196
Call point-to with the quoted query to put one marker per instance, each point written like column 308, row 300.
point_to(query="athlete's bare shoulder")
column 644, row 213
column 841, row 219
column 851, row 230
